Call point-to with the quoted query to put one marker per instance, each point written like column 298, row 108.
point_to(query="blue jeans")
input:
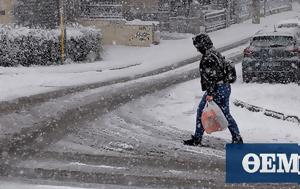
column 222, row 99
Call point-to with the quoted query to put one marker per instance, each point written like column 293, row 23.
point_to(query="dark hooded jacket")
column 211, row 66
column 211, row 71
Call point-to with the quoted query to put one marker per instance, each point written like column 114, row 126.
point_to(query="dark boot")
column 237, row 140
column 194, row 141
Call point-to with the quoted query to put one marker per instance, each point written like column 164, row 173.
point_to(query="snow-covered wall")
column 122, row 32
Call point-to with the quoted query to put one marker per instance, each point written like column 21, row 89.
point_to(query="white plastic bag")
column 213, row 119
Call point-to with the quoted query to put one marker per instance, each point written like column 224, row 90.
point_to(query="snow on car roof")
column 290, row 21
column 277, row 32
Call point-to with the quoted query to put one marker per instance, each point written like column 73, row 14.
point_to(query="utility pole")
column 256, row 11
column 265, row 8
column 228, row 12
column 189, row 7
column 62, row 30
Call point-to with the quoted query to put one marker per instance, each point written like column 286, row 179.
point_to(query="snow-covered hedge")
column 24, row 46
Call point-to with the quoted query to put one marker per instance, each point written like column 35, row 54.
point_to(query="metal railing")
column 101, row 11
column 215, row 20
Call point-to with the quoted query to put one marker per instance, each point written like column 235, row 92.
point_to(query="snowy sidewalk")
column 119, row 62
column 177, row 106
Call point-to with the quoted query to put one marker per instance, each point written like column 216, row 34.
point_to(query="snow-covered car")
column 272, row 56
column 292, row 25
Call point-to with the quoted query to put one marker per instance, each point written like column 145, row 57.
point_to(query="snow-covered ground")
column 10, row 185
column 176, row 107
column 22, row 81
column 20, row 185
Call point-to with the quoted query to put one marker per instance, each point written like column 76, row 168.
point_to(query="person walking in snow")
column 215, row 81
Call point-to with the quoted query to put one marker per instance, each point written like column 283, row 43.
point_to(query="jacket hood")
column 202, row 42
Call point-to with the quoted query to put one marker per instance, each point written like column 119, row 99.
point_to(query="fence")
column 215, row 20
column 218, row 19
column 183, row 24
column 101, row 11
column 278, row 9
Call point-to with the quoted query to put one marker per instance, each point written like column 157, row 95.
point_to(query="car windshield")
column 269, row 41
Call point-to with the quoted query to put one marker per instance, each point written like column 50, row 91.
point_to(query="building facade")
column 6, row 11
column 32, row 13
column 37, row 13
column 45, row 13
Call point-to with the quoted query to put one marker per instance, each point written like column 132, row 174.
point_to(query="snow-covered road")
column 27, row 184
column 140, row 143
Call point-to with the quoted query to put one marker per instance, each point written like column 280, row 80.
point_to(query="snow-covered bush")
column 84, row 44
column 24, row 46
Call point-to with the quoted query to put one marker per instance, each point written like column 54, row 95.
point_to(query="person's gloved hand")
column 209, row 98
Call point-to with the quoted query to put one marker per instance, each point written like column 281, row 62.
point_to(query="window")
column 288, row 25
column 2, row 11
column 272, row 41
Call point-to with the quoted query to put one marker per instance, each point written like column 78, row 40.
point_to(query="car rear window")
column 288, row 25
column 267, row 41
